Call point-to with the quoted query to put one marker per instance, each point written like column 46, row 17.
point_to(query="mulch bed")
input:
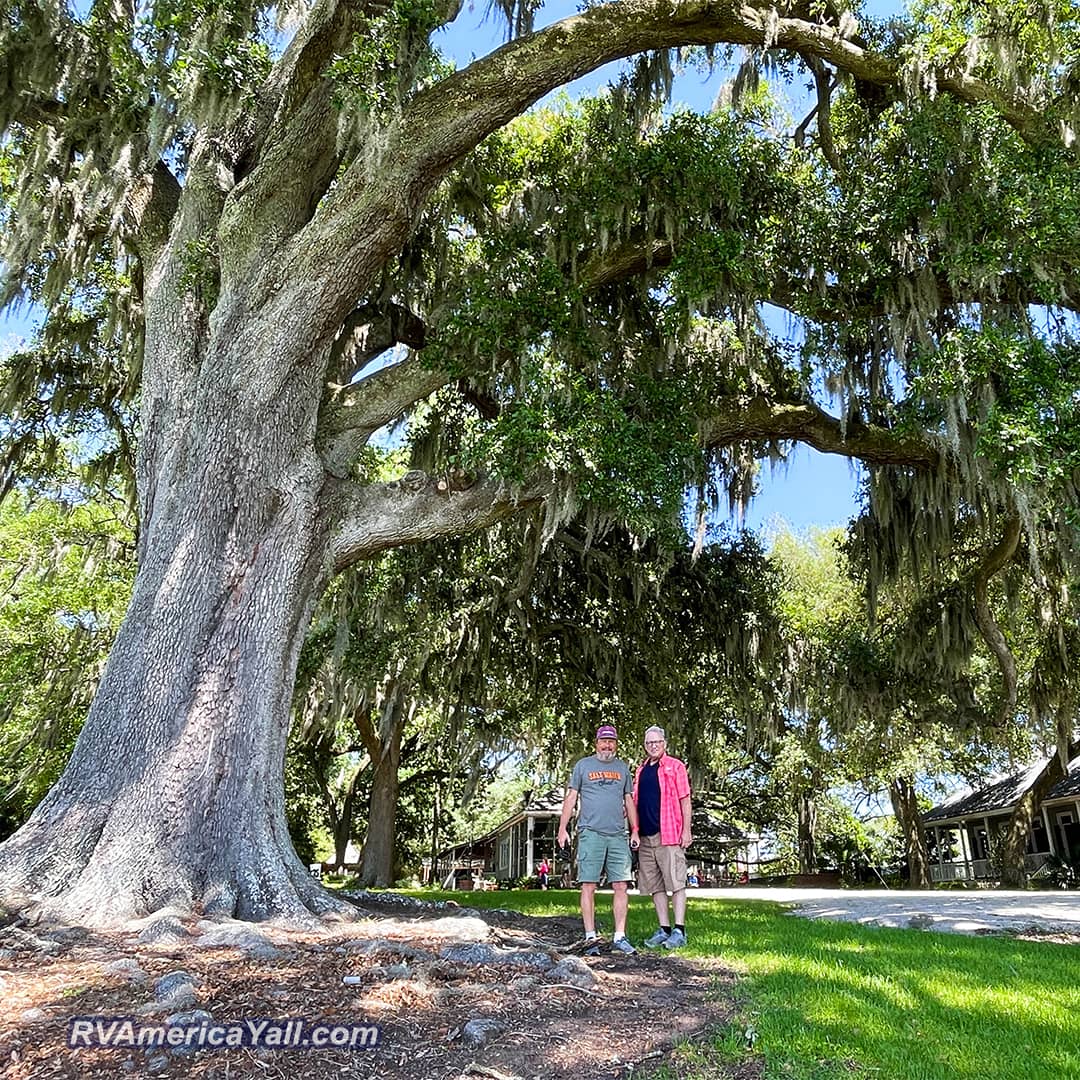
column 620, row 1020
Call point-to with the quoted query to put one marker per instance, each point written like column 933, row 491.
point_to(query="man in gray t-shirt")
column 602, row 788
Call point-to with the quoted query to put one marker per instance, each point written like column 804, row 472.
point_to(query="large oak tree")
column 580, row 298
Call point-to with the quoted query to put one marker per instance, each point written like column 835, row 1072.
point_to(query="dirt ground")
column 455, row 993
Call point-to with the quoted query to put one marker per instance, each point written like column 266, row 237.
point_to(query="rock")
column 524, row 983
column 479, row 953
column 236, row 936
column 126, row 968
column 475, row 953
column 397, row 949
column 69, row 935
column 196, row 1018
column 192, row 1018
column 170, row 986
column 23, row 939
column 158, row 1063
column 529, row 958
column 480, row 1031
column 573, row 970
column 167, row 930
column 458, row 928
column 183, row 997
column 34, row 1016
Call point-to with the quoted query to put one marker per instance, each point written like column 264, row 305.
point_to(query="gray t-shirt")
column 602, row 786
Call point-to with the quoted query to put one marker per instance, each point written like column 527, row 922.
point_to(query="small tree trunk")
column 343, row 821
column 1014, row 873
column 436, row 814
column 906, row 808
column 806, row 813
column 377, row 862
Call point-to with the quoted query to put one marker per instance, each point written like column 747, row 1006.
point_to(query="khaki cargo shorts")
column 661, row 868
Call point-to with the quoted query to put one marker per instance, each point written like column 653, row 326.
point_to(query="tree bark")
column 1014, row 873
column 377, row 861
column 906, row 808
column 806, row 815
column 174, row 794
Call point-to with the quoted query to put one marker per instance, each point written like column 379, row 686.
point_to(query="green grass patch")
column 823, row 1000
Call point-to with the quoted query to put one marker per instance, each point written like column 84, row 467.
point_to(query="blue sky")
column 811, row 488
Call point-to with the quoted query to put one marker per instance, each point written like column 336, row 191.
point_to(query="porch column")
column 1049, row 831
column 530, row 824
column 966, row 852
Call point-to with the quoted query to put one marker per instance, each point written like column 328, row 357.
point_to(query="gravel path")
column 957, row 912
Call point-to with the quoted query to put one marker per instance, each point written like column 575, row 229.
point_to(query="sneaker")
column 592, row 947
column 676, row 940
column 657, row 939
column 621, row 944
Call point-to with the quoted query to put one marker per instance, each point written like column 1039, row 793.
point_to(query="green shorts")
column 595, row 852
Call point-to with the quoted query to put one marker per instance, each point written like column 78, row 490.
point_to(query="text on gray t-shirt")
column 602, row 786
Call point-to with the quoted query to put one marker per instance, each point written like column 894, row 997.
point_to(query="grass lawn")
column 823, row 1000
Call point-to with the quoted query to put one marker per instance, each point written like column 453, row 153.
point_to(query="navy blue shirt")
column 648, row 799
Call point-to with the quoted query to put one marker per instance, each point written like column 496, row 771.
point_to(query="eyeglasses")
column 654, row 742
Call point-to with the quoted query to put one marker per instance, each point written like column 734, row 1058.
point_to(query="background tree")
column 65, row 578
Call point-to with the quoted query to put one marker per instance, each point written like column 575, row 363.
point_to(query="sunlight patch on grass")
column 827, row 1000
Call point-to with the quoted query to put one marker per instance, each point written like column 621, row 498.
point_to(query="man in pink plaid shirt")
column 662, row 797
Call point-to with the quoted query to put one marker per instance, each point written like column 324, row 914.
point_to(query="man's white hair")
column 659, row 730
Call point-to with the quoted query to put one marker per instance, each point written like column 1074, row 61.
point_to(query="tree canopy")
column 272, row 242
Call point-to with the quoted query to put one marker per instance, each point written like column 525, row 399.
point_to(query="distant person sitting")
column 542, row 872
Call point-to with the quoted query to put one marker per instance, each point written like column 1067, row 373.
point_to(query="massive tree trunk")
column 174, row 794
column 906, row 808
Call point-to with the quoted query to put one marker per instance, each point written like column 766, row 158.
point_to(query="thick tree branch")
column 361, row 223
column 419, row 507
column 828, row 303
column 369, row 332
column 760, row 418
column 824, row 86
column 625, row 261
column 350, row 419
column 151, row 207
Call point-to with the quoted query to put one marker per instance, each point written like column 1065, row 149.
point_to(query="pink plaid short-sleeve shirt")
column 674, row 787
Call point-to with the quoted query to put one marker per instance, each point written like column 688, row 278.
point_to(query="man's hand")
column 635, row 840
column 564, row 838
column 687, row 838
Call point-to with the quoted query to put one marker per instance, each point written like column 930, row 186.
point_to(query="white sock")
column 590, row 935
